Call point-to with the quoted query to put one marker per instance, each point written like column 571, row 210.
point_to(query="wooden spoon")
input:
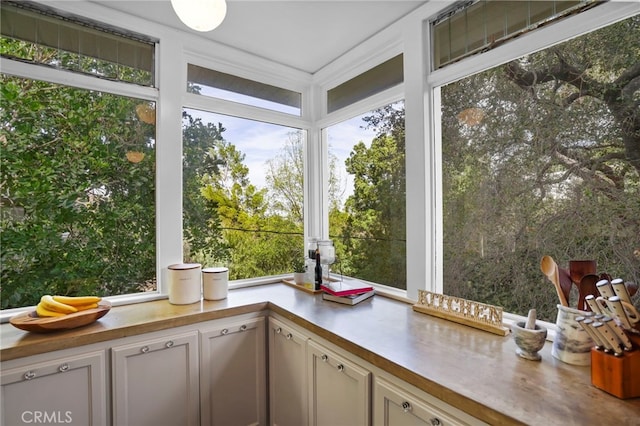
column 586, row 287
column 549, row 267
column 565, row 283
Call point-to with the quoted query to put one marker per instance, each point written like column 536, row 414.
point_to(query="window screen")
column 474, row 26
column 375, row 80
column 208, row 82
column 42, row 37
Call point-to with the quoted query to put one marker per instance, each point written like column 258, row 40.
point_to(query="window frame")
column 566, row 29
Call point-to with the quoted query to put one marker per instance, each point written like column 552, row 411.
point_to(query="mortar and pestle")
column 529, row 337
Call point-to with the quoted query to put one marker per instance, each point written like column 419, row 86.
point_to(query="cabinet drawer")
column 339, row 389
column 233, row 382
column 156, row 382
column 395, row 406
column 70, row 390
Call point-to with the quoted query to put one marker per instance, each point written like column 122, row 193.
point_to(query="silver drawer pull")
column 243, row 327
column 29, row 375
column 144, row 349
column 406, row 406
column 64, row 367
column 224, row 331
column 169, row 344
column 435, row 421
column 340, row 367
column 279, row 330
column 289, row 336
column 324, row 357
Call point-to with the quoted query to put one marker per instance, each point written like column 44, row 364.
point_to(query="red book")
column 341, row 288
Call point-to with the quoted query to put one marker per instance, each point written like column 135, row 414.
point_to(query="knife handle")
column 608, row 347
column 608, row 337
column 585, row 323
column 602, row 304
column 604, row 287
column 618, row 332
column 591, row 301
column 617, row 310
column 632, row 313
column 620, row 289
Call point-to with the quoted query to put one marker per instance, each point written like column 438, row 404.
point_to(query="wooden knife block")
column 619, row 376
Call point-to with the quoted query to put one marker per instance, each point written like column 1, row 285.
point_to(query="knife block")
column 619, row 376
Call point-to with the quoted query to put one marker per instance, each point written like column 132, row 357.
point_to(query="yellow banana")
column 77, row 301
column 44, row 312
column 85, row 307
column 50, row 304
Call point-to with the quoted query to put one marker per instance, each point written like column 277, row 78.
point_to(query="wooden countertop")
column 476, row 371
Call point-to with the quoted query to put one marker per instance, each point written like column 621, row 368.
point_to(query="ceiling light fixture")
column 200, row 15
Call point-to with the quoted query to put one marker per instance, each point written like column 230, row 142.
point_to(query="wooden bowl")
column 30, row 321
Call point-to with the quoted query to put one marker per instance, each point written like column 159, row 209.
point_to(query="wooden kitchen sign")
column 474, row 314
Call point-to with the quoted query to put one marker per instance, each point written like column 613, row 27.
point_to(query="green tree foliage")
column 202, row 162
column 75, row 209
column 285, row 180
column 540, row 157
column 252, row 230
column 374, row 230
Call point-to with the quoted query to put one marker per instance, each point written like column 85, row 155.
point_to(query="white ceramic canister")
column 185, row 285
column 571, row 344
column 215, row 283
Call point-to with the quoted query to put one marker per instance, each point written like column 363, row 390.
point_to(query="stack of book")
column 349, row 293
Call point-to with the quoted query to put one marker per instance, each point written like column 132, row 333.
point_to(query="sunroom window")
column 77, row 192
column 540, row 157
column 242, row 194
column 367, row 214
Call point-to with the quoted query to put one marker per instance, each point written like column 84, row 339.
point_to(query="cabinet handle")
column 144, row 349
column 29, row 375
column 169, row 344
column 435, row 421
column 224, row 331
column 340, row 367
column 243, row 327
column 279, row 330
column 289, row 336
column 64, row 367
column 406, row 406
column 324, row 357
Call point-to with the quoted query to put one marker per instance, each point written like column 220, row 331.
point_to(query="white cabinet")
column 155, row 381
column 233, row 373
column 287, row 375
column 70, row 390
column 396, row 405
column 339, row 389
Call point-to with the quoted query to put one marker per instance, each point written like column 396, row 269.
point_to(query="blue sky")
column 261, row 141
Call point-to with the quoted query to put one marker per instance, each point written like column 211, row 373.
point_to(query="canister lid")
column 215, row 270
column 183, row 266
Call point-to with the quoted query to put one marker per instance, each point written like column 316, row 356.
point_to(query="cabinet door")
column 70, row 390
column 394, row 406
column 233, row 373
column 339, row 390
column 155, row 382
column 287, row 375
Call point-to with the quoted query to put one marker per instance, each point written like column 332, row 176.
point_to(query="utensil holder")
column 571, row 344
column 618, row 376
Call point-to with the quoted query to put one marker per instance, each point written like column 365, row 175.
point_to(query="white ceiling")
column 303, row 34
